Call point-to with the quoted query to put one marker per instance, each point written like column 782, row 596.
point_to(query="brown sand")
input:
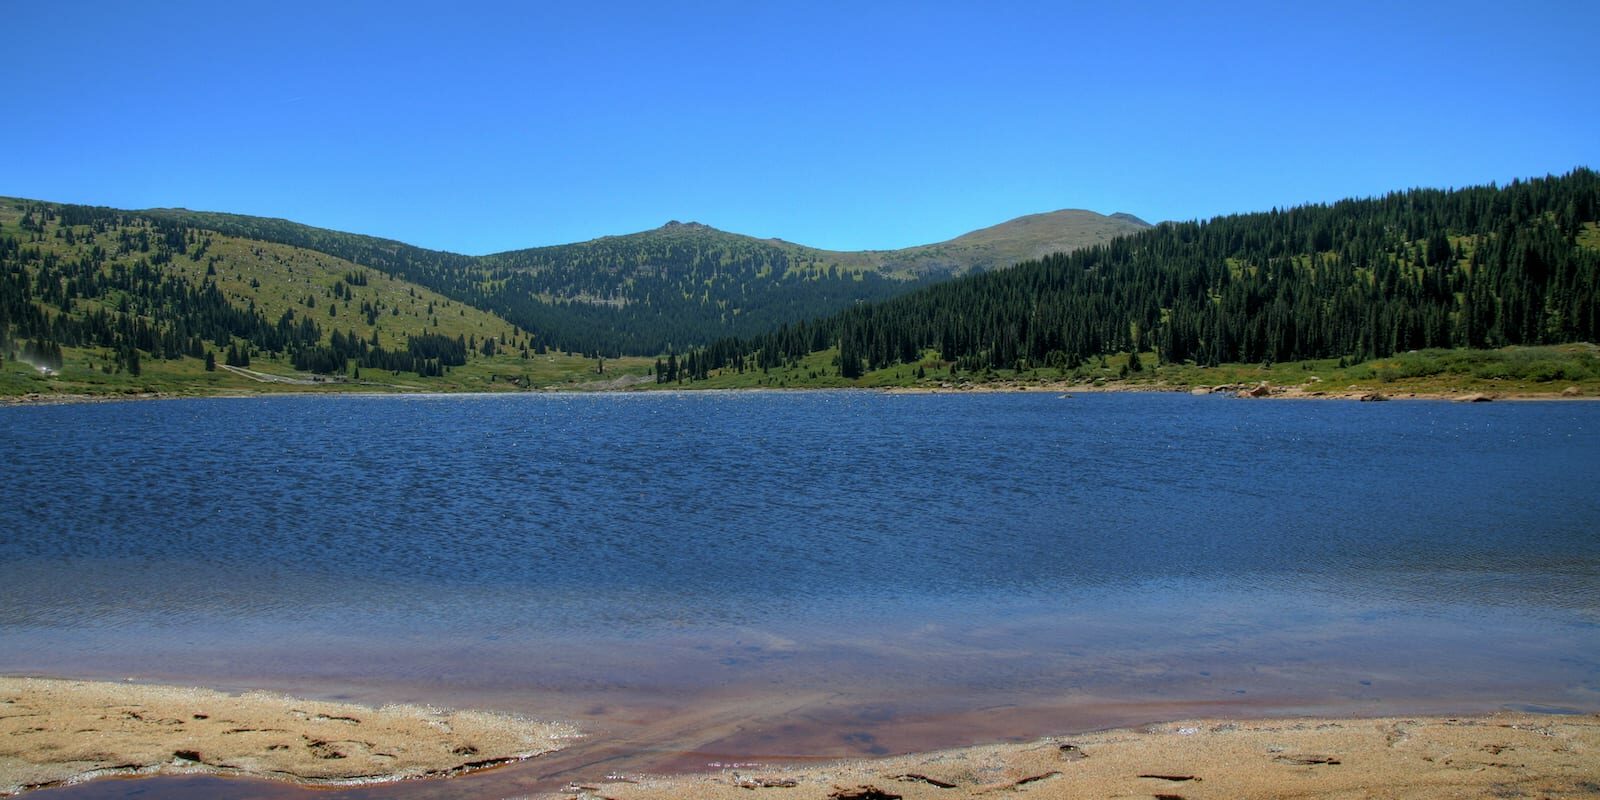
column 1506, row 755
column 54, row 732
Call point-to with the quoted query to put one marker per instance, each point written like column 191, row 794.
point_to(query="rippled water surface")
column 813, row 574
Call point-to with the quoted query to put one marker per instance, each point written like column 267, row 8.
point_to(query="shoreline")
column 153, row 730
column 1231, row 391
column 1242, row 392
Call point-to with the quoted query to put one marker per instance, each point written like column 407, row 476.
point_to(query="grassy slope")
column 284, row 277
column 994, row 247
column 1021, row 239
column 1590, row 237
column 1519, row 371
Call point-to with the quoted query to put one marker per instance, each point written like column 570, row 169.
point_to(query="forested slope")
column 674, row 287
column 677, row 286
column 127, row 289
column 1468, row 268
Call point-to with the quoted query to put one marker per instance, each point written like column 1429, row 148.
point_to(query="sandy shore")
column 1501, row 756
column 54, row 732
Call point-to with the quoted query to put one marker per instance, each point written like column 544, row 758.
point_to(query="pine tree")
column 850, row 366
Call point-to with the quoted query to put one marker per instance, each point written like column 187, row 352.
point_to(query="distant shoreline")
column 1483, row 394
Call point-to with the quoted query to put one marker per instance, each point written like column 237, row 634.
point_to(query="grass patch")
column 1520, row 370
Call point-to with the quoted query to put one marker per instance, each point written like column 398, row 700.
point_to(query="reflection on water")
column 813, row 574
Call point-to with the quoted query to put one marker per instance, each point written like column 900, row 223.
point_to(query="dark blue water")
column 574, row 555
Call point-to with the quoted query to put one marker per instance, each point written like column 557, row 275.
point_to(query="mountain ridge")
column 1017, row 239
column 673, row 226
column 681, row 285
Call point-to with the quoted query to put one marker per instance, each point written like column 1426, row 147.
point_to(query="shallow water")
column 710, row 577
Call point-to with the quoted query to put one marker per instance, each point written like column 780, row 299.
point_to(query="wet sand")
column 1502, row 755
column 55, row 732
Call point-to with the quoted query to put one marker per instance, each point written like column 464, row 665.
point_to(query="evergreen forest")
column 1480, row 267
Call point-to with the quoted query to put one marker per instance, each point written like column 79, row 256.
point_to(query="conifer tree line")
column 1477, row 268
column 427, row 354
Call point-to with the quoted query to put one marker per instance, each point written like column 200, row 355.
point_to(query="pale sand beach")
column 54, row 732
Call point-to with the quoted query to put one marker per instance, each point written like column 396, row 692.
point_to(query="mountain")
column 995, row 247
column 678, row 286
column 1022, row 239
column 671, row 288
column 108, row 291
column 1481, row 267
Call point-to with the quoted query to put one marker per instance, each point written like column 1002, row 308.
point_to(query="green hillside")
column 1478, row 268
column 687, row 283
column 100, row 301
column 680, row 285
column 95, row 301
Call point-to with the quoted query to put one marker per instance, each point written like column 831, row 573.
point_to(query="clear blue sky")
column 479, row 127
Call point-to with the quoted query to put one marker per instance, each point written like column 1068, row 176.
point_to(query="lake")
column 710, row 577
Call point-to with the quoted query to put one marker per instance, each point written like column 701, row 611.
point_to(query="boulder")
column 1571, row 391
column 1373, row 397
column 1200, row 390
column 1259, row 390
column 1475, row 397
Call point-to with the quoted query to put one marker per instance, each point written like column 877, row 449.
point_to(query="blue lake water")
column 761, row 575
